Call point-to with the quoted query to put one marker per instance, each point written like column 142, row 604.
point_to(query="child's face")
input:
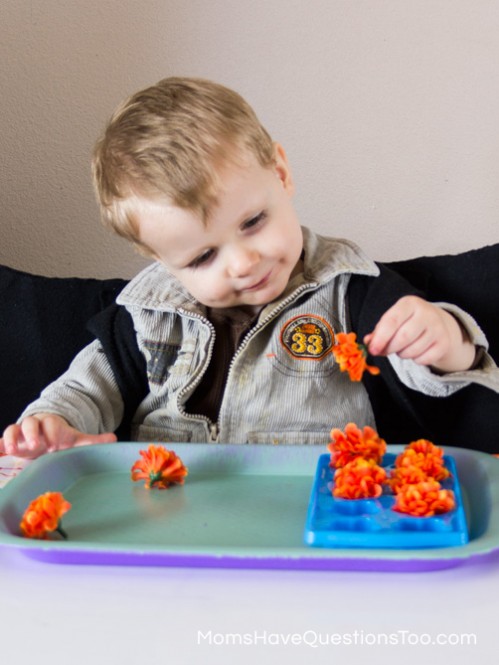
column 246, row 251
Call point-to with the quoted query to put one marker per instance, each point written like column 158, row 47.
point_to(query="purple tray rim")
column 183, row 560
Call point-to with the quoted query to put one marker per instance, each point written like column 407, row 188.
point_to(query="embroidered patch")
column 307, row 337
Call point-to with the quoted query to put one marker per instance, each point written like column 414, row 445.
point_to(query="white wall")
column 389, row 111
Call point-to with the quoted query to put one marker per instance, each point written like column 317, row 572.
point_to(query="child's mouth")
column 260, row 284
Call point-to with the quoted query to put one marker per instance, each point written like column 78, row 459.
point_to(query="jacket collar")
column 326, row 258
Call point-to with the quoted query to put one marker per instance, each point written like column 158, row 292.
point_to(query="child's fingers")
column 15, row 441
column 32, row 434
column 367, row 339
column 409, row 342
column 90, row 440
column 13, row 437
column 391, row 334
column 47, row 433
column 418, row 346
column 428, row 357
column 10, row 440
column 40, row 434
column 59, row 435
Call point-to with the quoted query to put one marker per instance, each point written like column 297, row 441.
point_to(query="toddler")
column 237, row 314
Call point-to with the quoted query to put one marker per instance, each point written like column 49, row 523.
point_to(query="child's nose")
column 241, row 261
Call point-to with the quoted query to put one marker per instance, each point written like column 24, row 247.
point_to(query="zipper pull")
column 213, row 433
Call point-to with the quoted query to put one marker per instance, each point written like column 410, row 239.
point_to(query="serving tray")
column 242, row 506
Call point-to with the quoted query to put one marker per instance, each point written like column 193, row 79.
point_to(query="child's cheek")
column 210, row 292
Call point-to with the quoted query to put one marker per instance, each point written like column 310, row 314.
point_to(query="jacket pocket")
column 292, row 438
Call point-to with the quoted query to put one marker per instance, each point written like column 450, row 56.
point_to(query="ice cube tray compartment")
column 334, row 522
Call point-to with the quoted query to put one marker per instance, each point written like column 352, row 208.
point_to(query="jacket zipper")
column 214, row 428
column 275, row 312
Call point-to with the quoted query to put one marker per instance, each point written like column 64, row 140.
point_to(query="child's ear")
column 282, row 168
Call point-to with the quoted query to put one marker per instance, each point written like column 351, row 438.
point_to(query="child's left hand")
column 416, row 329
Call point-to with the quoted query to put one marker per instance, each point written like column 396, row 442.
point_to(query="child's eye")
column 254, row 221
column 202, row 259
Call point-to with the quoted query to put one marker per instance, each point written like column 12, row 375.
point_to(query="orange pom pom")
column 424, row 499
column 405, row 475
column 359, row 479
column 351, row 356
column 43, row 515
column 159, row 467
column 354, row 442
column 425, row 455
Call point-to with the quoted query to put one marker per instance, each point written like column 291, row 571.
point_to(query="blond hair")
column 167, row 141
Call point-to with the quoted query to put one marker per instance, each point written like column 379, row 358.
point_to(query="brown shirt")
column 231, row 324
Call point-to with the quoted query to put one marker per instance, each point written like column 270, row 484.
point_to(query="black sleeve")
column 113, row 327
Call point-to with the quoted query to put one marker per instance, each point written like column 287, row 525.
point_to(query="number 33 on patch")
column 307, row 337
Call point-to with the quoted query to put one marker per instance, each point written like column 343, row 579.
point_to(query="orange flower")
column 354, row 442
column 405, row 475
column 425, row 447
column 359, row 479
column 159, row 467
column 351, row 356
column 43, row 515
column 426, row 456
column 424, row 499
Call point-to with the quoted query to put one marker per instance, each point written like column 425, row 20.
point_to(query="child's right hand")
column 46, row 433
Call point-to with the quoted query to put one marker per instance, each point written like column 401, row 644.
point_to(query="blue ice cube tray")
column 334, row 522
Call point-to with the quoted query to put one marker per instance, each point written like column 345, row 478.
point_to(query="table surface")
column 58, row 613
column 65, row 613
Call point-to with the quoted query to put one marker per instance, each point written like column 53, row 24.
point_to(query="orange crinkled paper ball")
column 424, row 499
column 43, row 515
column 405, row 475
column 351, row 356
column 354, row 442
column 159, row 467
column 425, row 455
column 359, row 479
